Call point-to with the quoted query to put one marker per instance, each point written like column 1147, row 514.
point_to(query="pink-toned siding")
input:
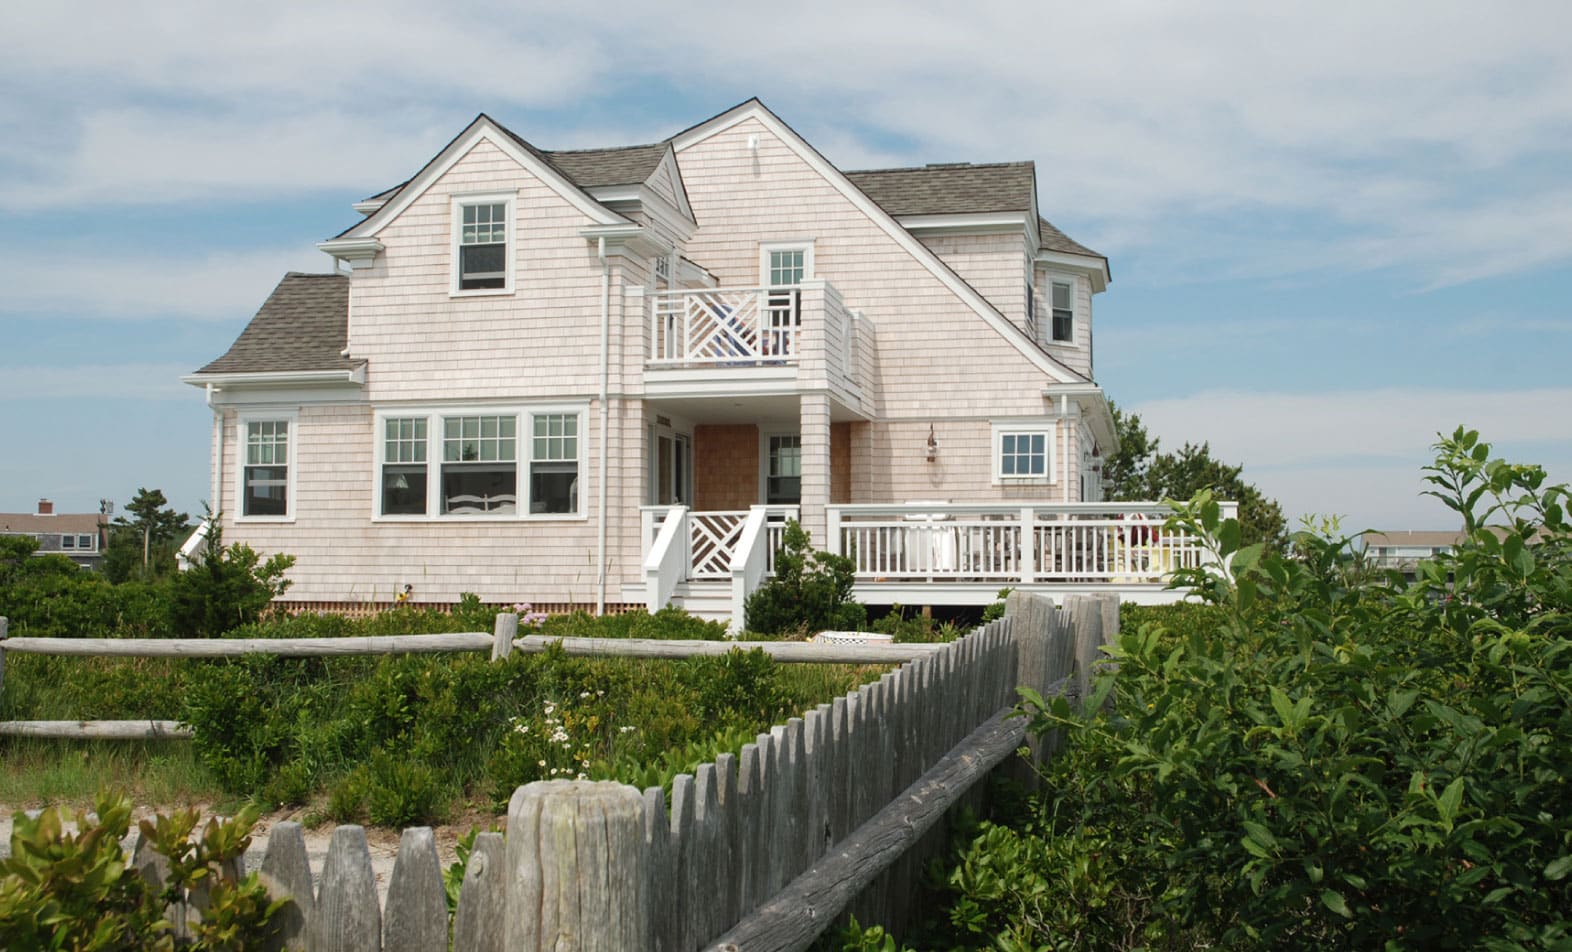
column 993, row 264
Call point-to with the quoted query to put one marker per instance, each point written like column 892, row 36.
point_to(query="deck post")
column 1028, row 545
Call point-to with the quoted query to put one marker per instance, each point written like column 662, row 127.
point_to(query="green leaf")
column 1451, row 798
column 1256, row 833
column 1283, row 707
column 1333, row 900
column 1228, row 536
column 1559, row 868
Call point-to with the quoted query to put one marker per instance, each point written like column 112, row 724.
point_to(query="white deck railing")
column 725, row 326
column 1072, row 542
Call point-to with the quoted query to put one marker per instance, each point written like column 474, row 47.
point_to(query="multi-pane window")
column 1063, row 312
column 265, row 478
column 479, row 464
column 554, row 463
column 783, row 477
column 787, row 268
column 1023, row 455
column 84, row 542
column 68, row 542
column 404, row 466
column 483, row 246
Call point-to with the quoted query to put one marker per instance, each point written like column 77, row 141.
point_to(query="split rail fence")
column 834, row 813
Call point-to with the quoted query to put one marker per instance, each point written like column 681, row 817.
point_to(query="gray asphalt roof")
column 303, row 325
column 951, row 189
column 591, row 168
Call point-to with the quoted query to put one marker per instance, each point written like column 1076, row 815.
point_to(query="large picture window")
column 265, row 475
column 480, row 463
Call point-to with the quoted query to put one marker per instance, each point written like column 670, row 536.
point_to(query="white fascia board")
column 1094, row 268
column 1093, row 403
column 634, row 239
column 278, row 378
column 753, row 109
column 641, row 198
column 359, row 252
column 369, row 206
column 482, row 130
column 966, row 224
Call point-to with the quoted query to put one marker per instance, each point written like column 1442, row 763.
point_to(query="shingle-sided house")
column 604, row 377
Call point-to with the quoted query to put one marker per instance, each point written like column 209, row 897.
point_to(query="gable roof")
column 980, row 305
column 1055, row 240
column 594, row 168
column 25, row 523
column 956, row 188
column 302, row 326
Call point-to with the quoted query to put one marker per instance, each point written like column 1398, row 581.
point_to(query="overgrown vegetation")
column 1314, row 758
column 61, row 889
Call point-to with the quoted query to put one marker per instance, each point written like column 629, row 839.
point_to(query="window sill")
column 262, row 520
column 464, row 519
column 481, row 292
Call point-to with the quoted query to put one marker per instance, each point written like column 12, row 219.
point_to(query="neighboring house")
column 603, row 377
column 81, row 537
column 1403, row 550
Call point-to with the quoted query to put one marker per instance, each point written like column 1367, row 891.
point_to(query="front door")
column 671, row 467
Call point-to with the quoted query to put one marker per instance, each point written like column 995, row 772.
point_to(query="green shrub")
column 403, row 791
column 60, row 890
column 810, row 591
column 1317, row 760
column 227, row 588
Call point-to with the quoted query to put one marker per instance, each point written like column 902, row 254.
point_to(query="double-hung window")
column 554, row 464
column 404, row 483
column 783, row 470
column 1063, row 312
column 68, row 542
column 479, row 463
column 482, row 256
column 1023, row 452
column 264, row 473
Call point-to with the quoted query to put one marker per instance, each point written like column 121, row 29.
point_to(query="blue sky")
column 1334, row 228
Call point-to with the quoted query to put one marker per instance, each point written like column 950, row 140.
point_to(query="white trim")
column 243, row 420
column 457, row 203
column 278, row 378
column 361, row 253
column 766, row 248
column 483, row 129
column 1034, row 426
column 1095, row 269
column 967, row 224
column 753, row 109
column 524, row 433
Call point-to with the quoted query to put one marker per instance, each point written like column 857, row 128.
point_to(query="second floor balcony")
column 803, row 334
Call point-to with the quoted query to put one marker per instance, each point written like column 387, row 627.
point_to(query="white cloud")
column 1359, row 453
column 1411, row 128
column 219, row 286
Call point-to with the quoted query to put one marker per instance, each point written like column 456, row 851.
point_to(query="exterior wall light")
column 933, row 445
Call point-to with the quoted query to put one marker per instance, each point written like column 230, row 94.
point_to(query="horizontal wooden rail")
column 794, row 917
column 239, row 647
column 97, row 730
column 789, row 652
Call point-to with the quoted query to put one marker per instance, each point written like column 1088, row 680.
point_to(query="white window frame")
column 764, row 464
column 523, row 459
column 68, row 541
column 1048, row 429
column 86, row 542
column 509, row 256
column 804, row 245
column 243, row 423
column 1047, row 325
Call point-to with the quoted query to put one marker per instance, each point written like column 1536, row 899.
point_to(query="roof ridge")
column 945, row 166
column 609, row 148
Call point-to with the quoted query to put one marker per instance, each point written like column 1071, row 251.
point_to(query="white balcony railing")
column 1074, row 542
column 725, row 327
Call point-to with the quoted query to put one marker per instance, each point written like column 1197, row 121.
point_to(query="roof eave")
column 1094, row 267
column 354, row 376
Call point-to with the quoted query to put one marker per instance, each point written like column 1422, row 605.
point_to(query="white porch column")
column 815, row 430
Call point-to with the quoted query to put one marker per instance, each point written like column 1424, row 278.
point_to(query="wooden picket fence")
column 830, row 814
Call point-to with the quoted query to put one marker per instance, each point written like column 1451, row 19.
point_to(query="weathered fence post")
column 502, row 635
column 482, row 909
column 417, row 909
column 286, row 871
column 348, row 917
column 576, row 868
column 4, row 622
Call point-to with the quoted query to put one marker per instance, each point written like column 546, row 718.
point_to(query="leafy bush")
column 62, row 890
column 1314, row 759
column 810, row 591
column 228, row 587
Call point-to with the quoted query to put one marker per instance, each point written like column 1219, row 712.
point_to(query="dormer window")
column 1063, row 312
column 481, row 254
